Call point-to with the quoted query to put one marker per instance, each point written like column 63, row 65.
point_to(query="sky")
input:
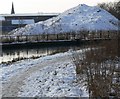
column 43, row 6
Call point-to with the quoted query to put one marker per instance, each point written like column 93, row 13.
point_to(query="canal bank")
column 15, row 52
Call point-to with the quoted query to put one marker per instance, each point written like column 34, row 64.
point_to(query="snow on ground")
column 76, row 19
column 47, row 76
column 11, row 70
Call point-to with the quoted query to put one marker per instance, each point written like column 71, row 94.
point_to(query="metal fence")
column 84, row 35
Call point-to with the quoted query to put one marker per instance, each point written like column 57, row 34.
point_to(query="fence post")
column 17, row 38
column 1, row 39
column 57, row 37
column 118, row 35
column 26, row 38
column 37, row 38
column 66, row 36
column 100, row 35
column 9, row 39
column 47, row 36
column 108, row 35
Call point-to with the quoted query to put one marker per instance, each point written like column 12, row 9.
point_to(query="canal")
column 12, row 53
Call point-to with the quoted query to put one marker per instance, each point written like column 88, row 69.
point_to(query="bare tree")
column 112, row 7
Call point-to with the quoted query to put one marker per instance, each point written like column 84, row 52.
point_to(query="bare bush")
column 100, row 68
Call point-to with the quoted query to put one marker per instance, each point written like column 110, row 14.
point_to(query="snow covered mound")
column 76, row 19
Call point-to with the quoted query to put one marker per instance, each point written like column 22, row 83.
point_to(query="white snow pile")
column 76, row 19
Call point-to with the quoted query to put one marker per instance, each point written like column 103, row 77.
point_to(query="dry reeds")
column 101, row 68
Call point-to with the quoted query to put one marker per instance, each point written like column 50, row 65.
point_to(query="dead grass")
column 101, row 68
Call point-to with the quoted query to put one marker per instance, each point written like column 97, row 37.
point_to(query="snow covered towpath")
column 49, row 76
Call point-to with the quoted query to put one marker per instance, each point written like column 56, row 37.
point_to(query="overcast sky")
column 45, row 6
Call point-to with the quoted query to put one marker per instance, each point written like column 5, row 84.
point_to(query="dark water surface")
column 33, row 51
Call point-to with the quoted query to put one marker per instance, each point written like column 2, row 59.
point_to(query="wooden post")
column 100, row 35
column 118, row 34
column 108, row 34
column 84, row 36
column 57, row 36
column 37, row 37
column 9, row 39
column 65, row 36
column 20, row 38
column 17, row 38
column 68, row 37
column 47, row 37
column 73, row 36
column 43, row 37
column 1, row 39
column 26, row 38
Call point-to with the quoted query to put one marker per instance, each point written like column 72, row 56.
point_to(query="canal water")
column 11, row 54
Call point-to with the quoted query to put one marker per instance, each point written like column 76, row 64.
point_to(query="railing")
column 84, row 35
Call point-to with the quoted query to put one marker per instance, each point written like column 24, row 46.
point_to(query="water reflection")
column 11, row 54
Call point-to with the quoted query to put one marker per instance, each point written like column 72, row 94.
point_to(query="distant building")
column 13, row 21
